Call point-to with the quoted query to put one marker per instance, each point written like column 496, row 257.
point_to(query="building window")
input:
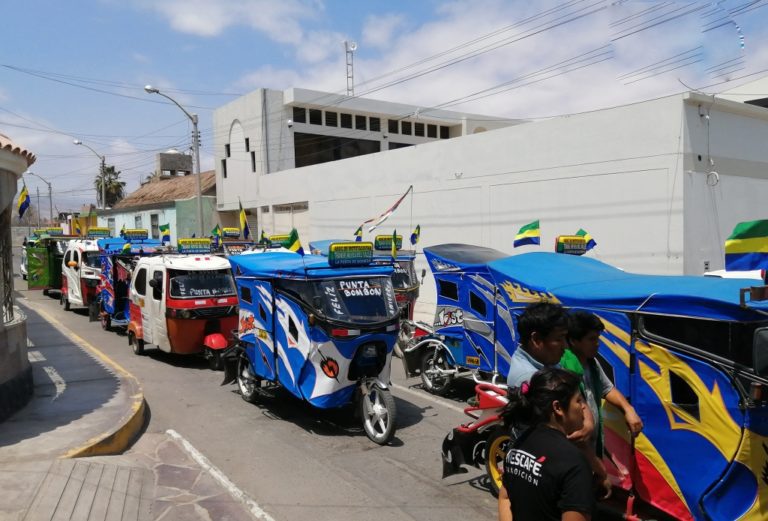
column 346, row 121
column 137, row 221
column 360, row 123
column 227, row 151
column 432, row 131
column 299, row 115
column 265, row 209
column 111, row 226
column 393, row 145
column 312, row 149
column 155, row 225
column 445, row 132
column 224, row 168
column 315, row 117
column 392, row 126
column 253, row 162
column 419, row 129
column 247, row 145
column 405, row 126
column 331, row 119
column 375, row 124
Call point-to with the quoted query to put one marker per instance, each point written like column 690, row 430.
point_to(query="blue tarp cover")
column 286, row 264
column 586, row 282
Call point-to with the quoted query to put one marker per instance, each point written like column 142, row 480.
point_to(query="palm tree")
column 114, row 188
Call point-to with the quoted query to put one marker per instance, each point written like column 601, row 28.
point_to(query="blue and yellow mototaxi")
column 321, row 327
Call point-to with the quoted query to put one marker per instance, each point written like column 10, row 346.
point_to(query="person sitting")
column 546, row 477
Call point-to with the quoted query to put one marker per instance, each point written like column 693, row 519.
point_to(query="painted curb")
column 117, row 439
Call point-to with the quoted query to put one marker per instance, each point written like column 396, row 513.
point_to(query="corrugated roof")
column 7, row 144
column 168, row 190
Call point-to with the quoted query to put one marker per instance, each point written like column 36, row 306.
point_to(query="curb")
column 117, row 439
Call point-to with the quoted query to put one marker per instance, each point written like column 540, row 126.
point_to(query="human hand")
column 634, row 422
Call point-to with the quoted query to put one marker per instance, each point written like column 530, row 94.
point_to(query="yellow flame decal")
column 714, row 423
column 621, row 351
column 752, row 454
column 518, row 293
column 644, row 445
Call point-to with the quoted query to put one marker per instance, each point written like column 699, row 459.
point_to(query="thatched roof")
column 160, row 190
column 7, row 144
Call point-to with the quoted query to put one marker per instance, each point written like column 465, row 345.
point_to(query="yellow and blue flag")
column 416, row 235
column 122, row 231
column 587, row 237
column 294, row 244
column 165, row 233
column 127, row 247
column 217, row 235
column 528, row 234
column 359, row 234
column 76, row 223
column 747, row 247
column 244, row 222
column 394, row 245
column 23, row 203
column 263, row 239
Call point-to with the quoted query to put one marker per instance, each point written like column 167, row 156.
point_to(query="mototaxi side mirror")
column 423, row 274
column 153, row 283
column 72, row 264
column 760, row 351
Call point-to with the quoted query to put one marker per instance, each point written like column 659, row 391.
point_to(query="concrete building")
column 15, row 370
column 659, row 184
column 270, row 131
column 165, row 199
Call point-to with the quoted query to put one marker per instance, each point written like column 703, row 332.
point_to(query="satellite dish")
column 352, row 46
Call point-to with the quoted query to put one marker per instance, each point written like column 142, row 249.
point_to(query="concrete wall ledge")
column 16, row 386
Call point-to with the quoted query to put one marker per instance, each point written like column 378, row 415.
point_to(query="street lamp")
column 196, row 147
column 103, row 173
column 50, row 198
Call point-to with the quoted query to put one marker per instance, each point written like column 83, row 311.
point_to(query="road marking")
column 220, row 477
column 30, row 343
column 35, row 356
column 423, row 395
column 57, row 380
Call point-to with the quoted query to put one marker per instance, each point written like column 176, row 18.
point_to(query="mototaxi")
column 81, row 272
column 183, row 302
column 44, row 259
column 323, row 328
column 691, row 355
column 118, row 257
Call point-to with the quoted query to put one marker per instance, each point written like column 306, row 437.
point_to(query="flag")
column 76, row 223
column 359, row 234
column 747, row 247
column 587, row 237
column 383, row 217
column 127, row 247
column 528, row 234
column 295, row 243
column 416, row 235
column 244, row 222
column 165, row 233
column 122, row 231
column 263, row 239
column 217, row 235
column 23, row 202
column 394, row 245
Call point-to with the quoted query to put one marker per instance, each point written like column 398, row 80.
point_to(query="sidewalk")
column 57, row 455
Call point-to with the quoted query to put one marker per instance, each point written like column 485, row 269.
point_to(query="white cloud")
column 378, row 31
column 140, row 58
column 317, row 46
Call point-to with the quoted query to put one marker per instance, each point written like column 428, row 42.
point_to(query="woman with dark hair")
column 545, row 476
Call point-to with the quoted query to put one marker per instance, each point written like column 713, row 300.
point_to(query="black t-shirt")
column 546, row 475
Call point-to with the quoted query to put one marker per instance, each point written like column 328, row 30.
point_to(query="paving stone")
column 169, row 452
column 175, row 476
column 186, row 513
column 224, row 508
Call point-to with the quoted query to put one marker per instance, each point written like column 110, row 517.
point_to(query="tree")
column 114, row 188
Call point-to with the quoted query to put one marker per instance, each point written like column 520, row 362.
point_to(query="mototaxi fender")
column 215, row 341
column 229, row 359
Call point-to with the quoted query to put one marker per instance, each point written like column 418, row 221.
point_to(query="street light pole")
column 102, row 174
column 50, row 198
column 196, row 147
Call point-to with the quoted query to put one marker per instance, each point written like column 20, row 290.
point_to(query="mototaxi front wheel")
column 106, row 321
column 433, row 364
column 379, row 414
column 136, row 343
column 496, row 447
column 247, row 382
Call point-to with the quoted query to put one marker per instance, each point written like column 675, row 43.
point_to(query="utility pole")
column 103, row 183
column 50, row 202
column 38, row 206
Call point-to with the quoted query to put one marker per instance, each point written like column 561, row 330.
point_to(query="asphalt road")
column 295, row 461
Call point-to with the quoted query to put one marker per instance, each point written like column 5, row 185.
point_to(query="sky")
column 77, row 70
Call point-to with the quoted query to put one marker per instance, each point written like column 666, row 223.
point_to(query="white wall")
column 165, row 216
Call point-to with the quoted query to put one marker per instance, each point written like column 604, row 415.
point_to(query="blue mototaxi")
column 689, row 352
column 117, row 263
column 322, row 329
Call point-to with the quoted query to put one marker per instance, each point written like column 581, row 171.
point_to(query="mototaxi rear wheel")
column 432, row 363
column 496, row 447
column 247, row 381
column 379, row 414
column 136, row 343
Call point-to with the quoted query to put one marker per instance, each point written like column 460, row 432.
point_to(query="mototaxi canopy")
column 291, row 265
column 587, row 282
column 115, row 245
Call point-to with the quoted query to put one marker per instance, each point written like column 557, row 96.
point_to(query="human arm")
column 615, row 398
column 575, row 516
column 505, row 505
